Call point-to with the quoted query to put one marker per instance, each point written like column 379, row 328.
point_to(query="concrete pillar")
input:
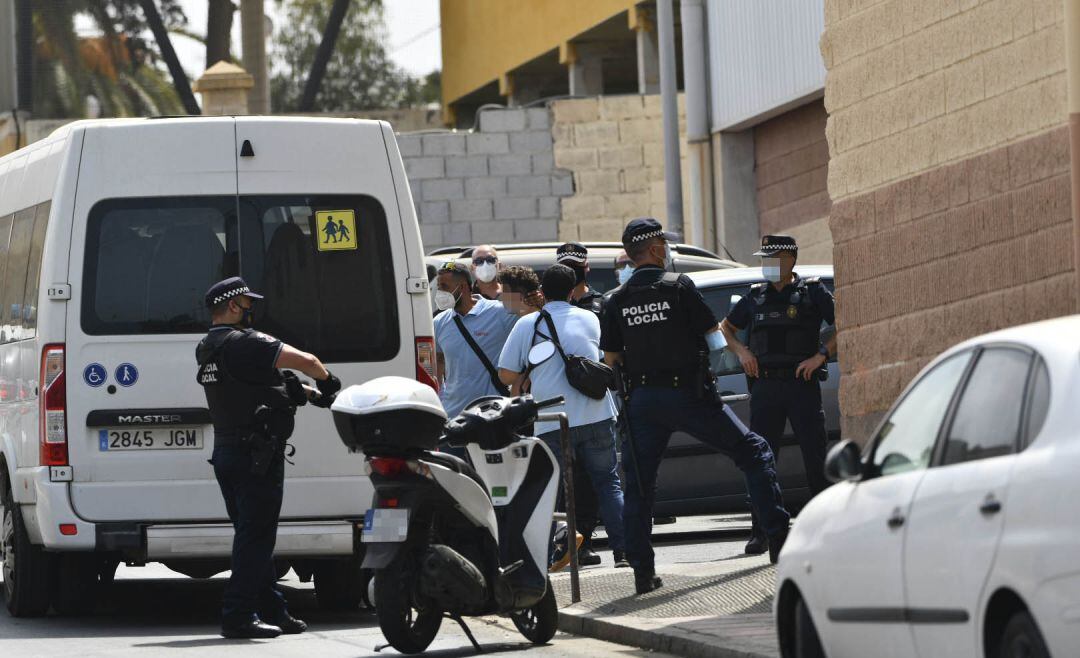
column 253, row 42
column 8, row 98
column 225, row 88
column 665, row 27
column 737, row 226
column 585, row 68
column 648, row 53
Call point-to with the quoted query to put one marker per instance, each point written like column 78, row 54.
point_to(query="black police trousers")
column 254, row 504
column 774, row 402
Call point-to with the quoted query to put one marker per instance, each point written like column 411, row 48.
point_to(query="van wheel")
column 26, row 567
column 807, row 643
column 339, row 584
column 1022, row 639
column 539, row 623
column 408, row 623
column 76, row 586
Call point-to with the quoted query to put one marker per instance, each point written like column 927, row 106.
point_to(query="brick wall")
column 949, row 175
column 614, row 147
column 498, row 184
column 792, row 165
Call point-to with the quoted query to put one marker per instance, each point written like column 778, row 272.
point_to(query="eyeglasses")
column 480, row 260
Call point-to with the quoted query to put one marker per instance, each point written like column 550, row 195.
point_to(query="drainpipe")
column 698, row 139
column 669, row 102
column 1072, row 72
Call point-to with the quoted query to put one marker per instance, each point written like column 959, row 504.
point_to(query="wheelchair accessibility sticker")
column 95, row 375
column 336, row 229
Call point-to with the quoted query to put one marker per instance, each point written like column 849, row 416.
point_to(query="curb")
column 680, row 643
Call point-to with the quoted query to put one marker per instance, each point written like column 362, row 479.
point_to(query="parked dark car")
column 602, row 255
column 694, row 478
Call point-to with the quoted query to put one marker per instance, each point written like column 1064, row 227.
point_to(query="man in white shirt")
column 592, row 422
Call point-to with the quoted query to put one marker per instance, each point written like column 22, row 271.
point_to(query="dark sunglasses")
column 480, row 260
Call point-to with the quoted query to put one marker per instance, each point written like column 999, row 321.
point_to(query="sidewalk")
column 712, row 608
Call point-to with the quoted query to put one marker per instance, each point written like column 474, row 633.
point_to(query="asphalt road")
column 152, row 611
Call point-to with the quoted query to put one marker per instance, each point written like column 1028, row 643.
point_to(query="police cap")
column 645, row 228
column 572, row 253
column 774, row 244
column 227, row 289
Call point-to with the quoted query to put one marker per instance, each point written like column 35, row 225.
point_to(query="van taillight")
column 53, row 402
column 425, row 362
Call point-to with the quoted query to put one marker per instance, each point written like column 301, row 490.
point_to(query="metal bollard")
column 568, row 494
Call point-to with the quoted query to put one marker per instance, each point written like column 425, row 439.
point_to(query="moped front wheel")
column 539, row 623
column 408, row 621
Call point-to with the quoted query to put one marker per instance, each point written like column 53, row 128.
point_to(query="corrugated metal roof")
column 763, row 56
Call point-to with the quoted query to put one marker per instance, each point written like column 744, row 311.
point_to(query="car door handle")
column 897, row 519
column 990, row 506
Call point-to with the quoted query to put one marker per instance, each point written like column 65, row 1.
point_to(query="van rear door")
column 154, row 225
column 322, row 238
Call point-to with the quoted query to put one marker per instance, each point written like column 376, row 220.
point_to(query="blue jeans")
column 253, row 503
column 654, row 414
column 594, row 451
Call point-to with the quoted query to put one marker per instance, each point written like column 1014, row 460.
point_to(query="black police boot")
column 587, row 558
column 647, row 581
column 758, row 544
column 776, row 542
column 620, row 559
column 250, row 629
column 290, row 625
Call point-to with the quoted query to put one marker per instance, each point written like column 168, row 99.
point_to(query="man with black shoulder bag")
column 573, row 372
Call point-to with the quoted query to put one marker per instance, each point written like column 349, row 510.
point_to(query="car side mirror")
column 844, row 462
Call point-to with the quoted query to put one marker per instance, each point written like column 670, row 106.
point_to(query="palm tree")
column 116, row 69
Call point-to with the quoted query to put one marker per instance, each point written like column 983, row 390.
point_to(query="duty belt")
column 776, row 373
column 663, row 380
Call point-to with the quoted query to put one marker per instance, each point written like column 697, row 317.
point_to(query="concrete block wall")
column 792, row 164
column 949, row 176
column 613, row 145
column 497, row 184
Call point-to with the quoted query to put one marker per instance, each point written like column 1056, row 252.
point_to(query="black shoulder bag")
column 492, row 372
column 590, row 378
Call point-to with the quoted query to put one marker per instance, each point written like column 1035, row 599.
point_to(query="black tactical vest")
column 784, row 329
column 232, row 402
column 656, row 339
column 590, row 301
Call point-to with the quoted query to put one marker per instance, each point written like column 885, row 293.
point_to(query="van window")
column 150, row 261
column 33, row 275
column 17, row 260
column 330, row 292
column 5, row 237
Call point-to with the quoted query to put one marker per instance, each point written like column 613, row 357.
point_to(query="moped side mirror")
column 844, row 462
column 541, row 352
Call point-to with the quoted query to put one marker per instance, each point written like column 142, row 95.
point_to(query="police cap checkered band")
column 774, row 244
column 229, row 288
column 573, row 253
column 645, row 228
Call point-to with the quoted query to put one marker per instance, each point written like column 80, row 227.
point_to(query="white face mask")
column 486, row 272
column 624, row 274
column 770, row 271
column 668, row 261
column 444, row 300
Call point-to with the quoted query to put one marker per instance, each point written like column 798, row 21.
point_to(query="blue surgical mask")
column 624, row 273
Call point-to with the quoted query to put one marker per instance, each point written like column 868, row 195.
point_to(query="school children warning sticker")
column 337, row 229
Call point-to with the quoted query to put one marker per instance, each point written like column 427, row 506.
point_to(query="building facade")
column 949, row 179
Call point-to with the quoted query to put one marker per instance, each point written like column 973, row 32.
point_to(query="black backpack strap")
column 554, row 335
column 492, row 372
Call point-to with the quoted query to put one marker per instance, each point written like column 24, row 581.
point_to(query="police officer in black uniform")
column 575, row 256
column 252, row 403
column 659, row 328
column 784, row 357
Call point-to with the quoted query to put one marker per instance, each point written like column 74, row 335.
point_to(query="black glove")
column 294, row 388
column 324, row 401
column 329, row 386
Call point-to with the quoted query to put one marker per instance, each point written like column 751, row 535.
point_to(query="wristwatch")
column 824, row 351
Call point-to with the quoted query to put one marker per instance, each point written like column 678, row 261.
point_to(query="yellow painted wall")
column 482, row 39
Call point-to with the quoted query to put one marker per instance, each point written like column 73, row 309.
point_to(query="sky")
column 412, row 24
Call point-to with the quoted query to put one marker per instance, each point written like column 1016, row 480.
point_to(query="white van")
column 110, row 234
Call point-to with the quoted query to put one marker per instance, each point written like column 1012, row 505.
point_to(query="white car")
column 956, row 532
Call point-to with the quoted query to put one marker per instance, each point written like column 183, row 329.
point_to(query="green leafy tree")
column 359, row 75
